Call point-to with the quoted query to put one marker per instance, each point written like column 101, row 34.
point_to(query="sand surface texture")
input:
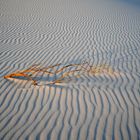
column 101, row 104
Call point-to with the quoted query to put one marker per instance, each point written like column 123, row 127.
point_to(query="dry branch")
column 35, row 69
column 27, row 73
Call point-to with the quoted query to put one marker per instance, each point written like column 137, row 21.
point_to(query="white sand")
column 95, row 107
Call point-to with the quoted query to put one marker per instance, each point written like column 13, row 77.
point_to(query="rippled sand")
column 103, row 104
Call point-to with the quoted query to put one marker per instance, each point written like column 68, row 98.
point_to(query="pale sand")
column 93, row 106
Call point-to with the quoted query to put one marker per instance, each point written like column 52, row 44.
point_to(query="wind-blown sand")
column 93, row 106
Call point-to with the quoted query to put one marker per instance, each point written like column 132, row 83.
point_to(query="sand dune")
column 96, row 105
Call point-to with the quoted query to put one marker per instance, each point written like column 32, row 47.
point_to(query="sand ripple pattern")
column 92, row 107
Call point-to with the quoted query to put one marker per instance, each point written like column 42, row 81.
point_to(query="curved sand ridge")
column 95, row 105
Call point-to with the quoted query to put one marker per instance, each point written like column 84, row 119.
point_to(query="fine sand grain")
column 100, row 103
